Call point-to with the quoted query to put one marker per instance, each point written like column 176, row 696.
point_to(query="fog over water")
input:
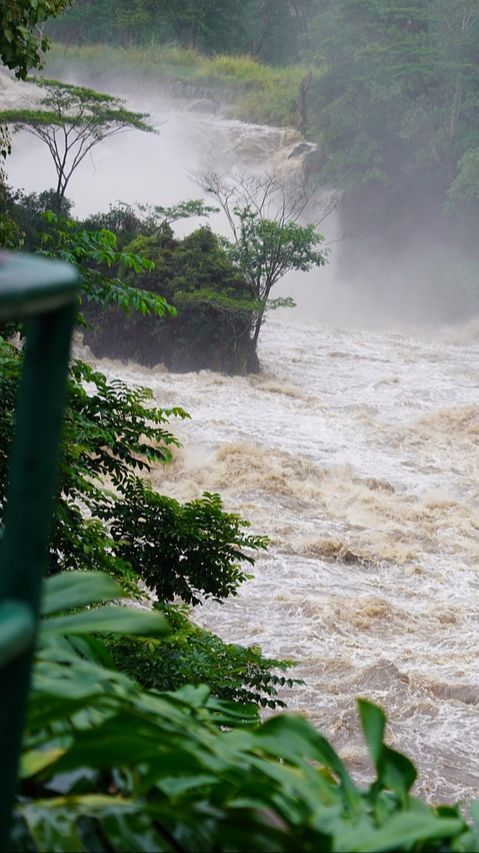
column 355, row 450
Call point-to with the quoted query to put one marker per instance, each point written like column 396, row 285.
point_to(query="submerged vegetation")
column 143, row 730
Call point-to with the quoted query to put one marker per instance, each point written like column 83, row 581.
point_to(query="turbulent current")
column 355, row 451
column 357, row 454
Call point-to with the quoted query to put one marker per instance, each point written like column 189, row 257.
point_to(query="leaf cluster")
column 95, row 254
column 213, row 303
column 107, row 517
column 266, row 249
column 109, row 766
column 68, row 105
column 193, row 550
column 193, row 655
column 21, row 38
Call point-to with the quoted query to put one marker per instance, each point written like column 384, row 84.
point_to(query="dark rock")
column 300, row 149
column 204, row 105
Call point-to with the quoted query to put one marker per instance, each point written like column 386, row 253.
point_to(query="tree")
column 70, row 122
column 21, row 38
column 398, row 100
column 214, row 310
column 268, row 240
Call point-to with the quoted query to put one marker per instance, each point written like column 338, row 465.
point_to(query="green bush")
column 192, row 655
column 108, row 766
column 213, row 305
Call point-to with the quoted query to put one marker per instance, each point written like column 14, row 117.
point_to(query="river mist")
column 355, row 451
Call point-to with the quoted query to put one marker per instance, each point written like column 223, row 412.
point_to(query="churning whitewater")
column 357, row 454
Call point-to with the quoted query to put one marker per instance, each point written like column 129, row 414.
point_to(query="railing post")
column 45, row 292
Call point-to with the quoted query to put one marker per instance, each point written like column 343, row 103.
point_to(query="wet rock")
column 301, row 149
column 291, row 137
column 206, row 106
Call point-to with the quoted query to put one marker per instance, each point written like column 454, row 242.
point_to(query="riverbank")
column 247, row 89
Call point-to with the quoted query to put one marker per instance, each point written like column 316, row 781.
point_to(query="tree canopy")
column 268, row 240
column 267, row 29
column 70, row 121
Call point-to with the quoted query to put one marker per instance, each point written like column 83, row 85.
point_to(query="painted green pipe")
column 44, row 293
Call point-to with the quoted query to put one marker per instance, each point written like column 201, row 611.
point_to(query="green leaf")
column 394, row 770
column 109, row 619
column 401, row 832
column 397, row 772
column 289, row 737
column 69, row 590
column 373, row 721
column 35, row 760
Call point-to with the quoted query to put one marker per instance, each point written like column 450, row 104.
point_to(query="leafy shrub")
column 192, row 655
column 188, row 550
column 109, row 766
column 213, row 306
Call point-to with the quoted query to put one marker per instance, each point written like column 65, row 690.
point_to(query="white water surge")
column 357, row 453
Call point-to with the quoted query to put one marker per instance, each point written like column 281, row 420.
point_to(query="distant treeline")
column 271, row 30
column 390, row 92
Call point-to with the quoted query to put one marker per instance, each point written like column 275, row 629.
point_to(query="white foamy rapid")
column 356, row 452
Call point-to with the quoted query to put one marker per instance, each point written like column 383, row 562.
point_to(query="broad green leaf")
column 403, row 830
column 69, row 590
column 35, row 760
column 292, row 737
column 394, row 770
column 109, row 619
column 373, row 723
column 397, row 772
column 53, row 823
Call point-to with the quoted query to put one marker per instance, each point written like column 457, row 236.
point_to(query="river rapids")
column 356, row 452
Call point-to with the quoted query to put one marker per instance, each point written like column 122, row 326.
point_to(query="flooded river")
column 357, row 454
column 355, row 451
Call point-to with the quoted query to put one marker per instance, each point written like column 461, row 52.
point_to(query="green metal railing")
column 43, row 293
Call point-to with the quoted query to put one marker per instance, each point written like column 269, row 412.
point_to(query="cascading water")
column 357, row 453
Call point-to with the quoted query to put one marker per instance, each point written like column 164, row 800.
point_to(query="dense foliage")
column 106, row 515
column 387, row 90
column 21, row 38
column 270, row 29
column 130, row 261
column 109, row 762
column 192, row 655
column 217, row 290
column 108, row 766
column 213, row 304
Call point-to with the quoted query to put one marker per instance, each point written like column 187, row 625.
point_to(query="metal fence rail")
column 44, row 294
